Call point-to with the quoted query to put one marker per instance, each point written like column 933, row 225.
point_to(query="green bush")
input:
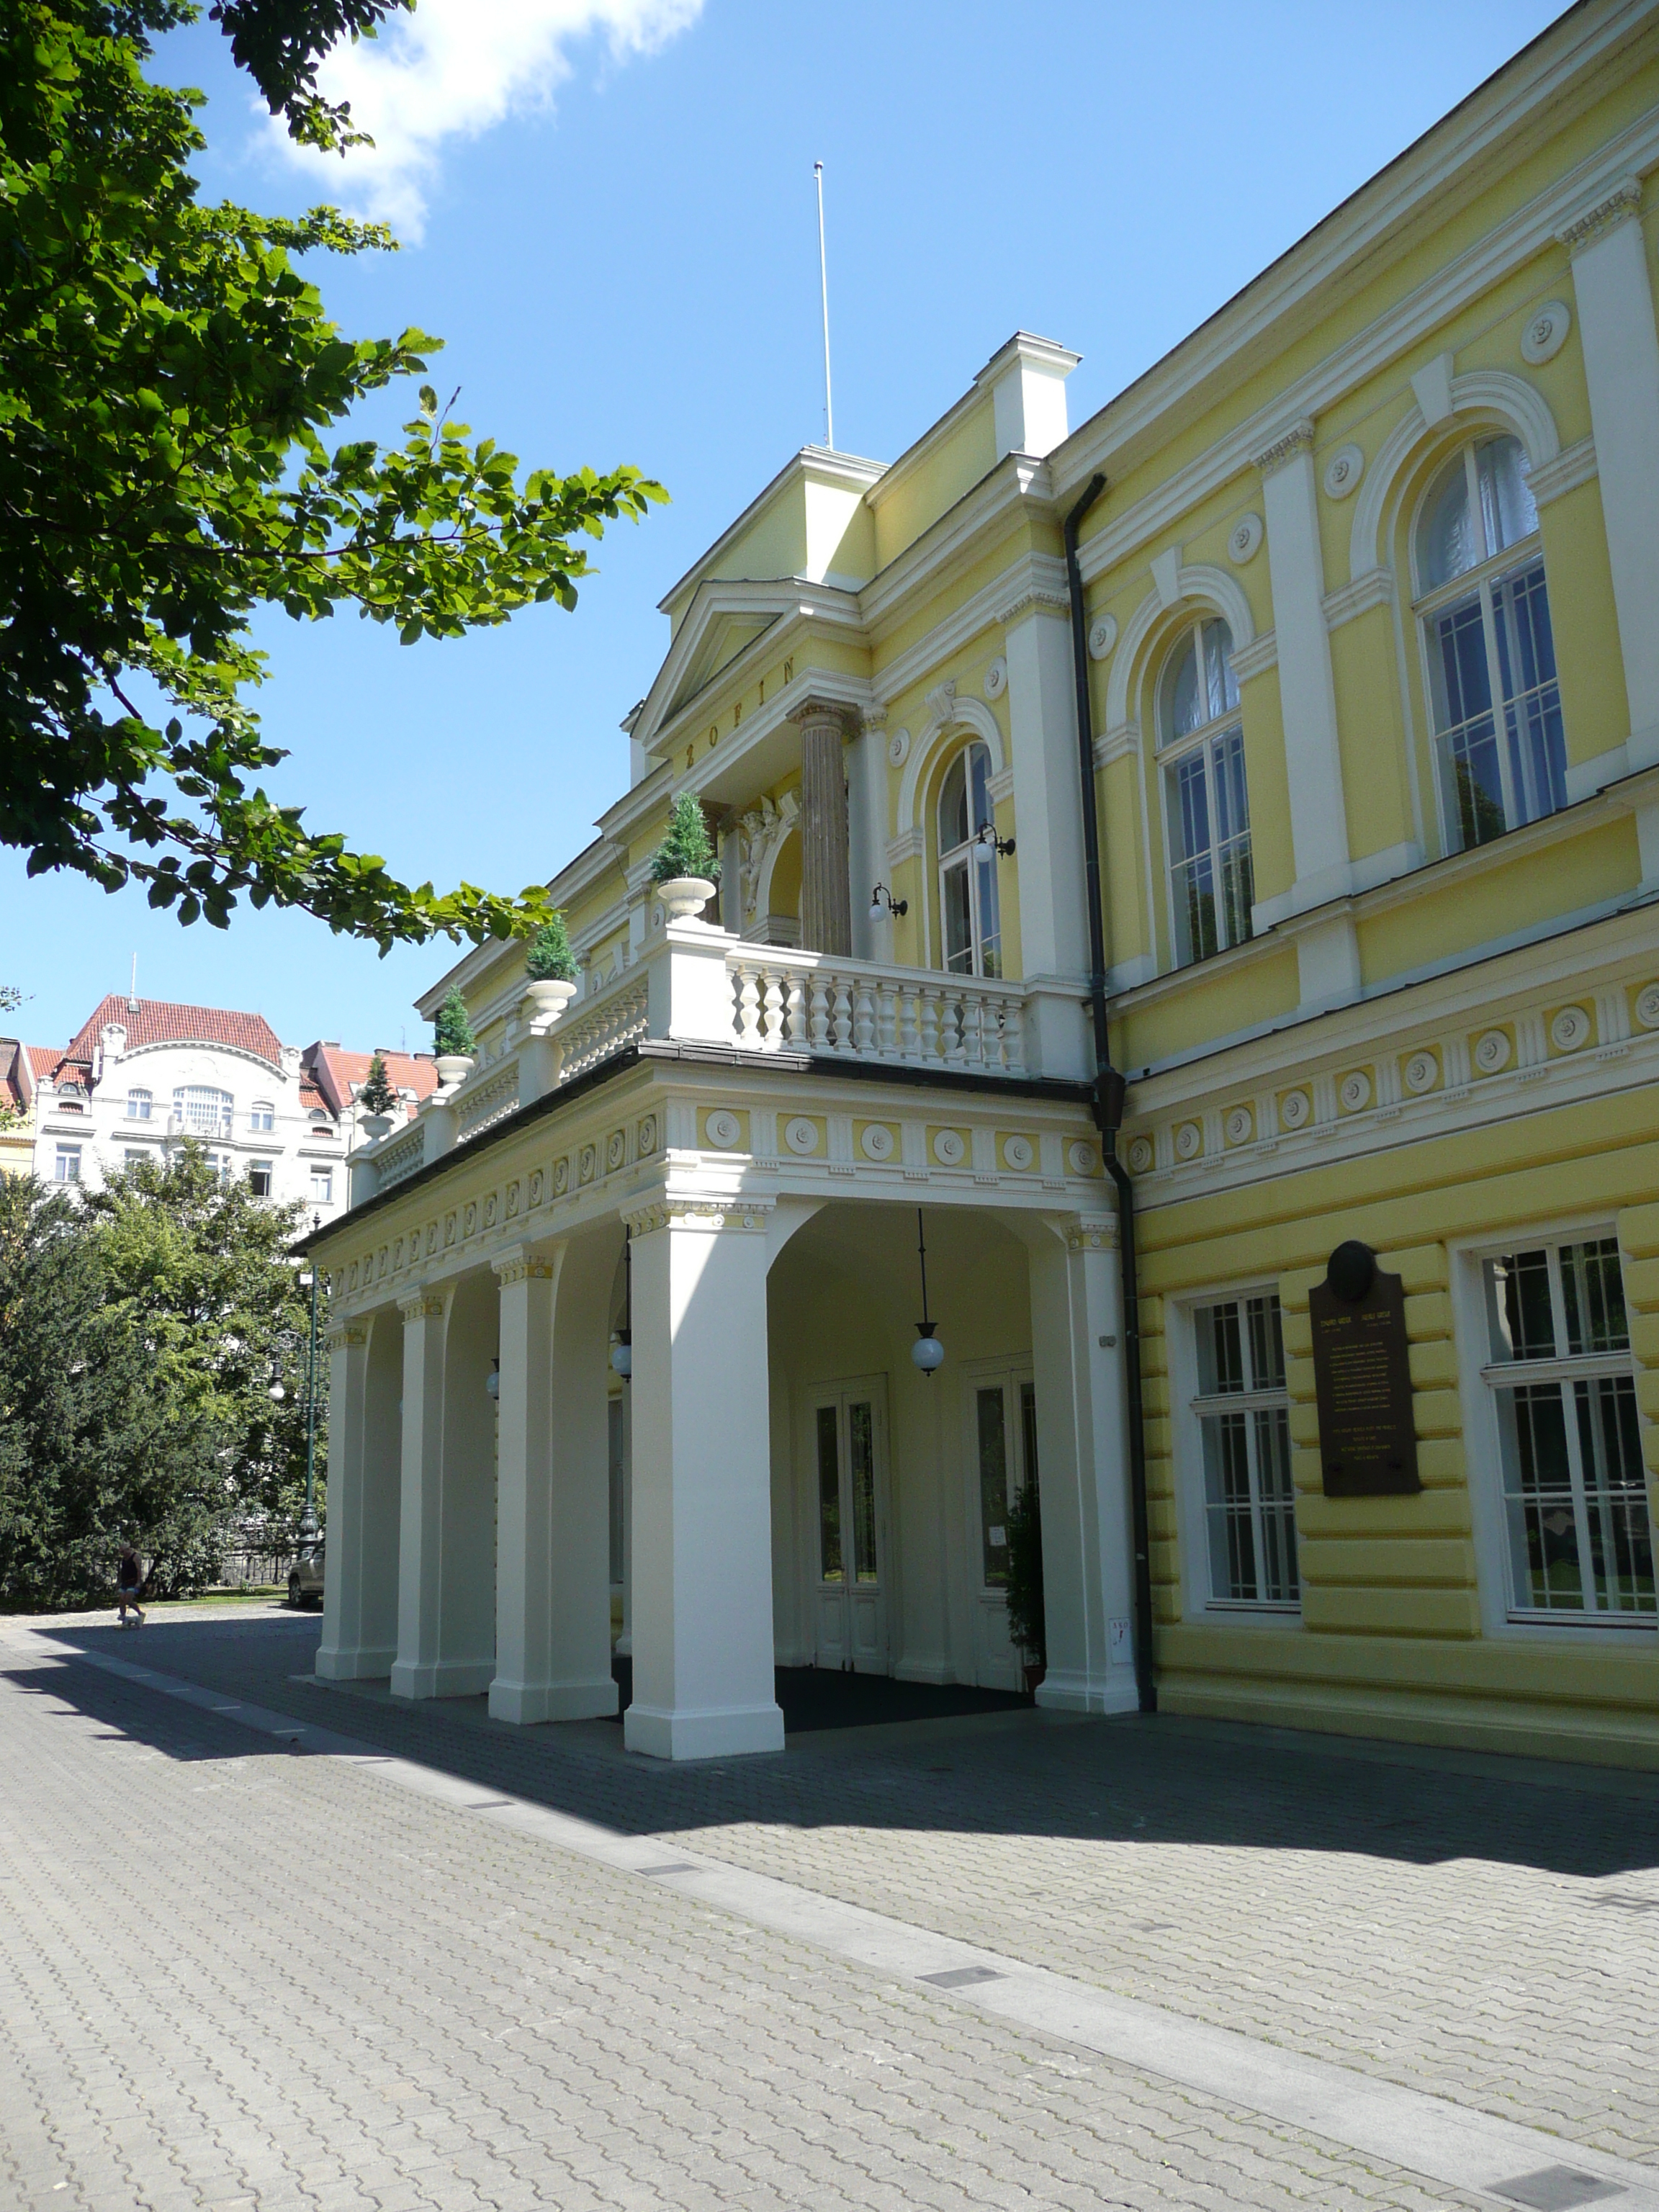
column 377, row 1095
column 1026, row 1626
column 687, row 849
column 451, row 1032
column 548, row 958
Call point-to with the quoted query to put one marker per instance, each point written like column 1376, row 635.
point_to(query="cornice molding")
column 1285, row 445
column 424, row 1305
column 1375, row 587
column 524, row 1267
column 725, row 1214
column 345, row 1334
column 1619, row 205
column 1572, row 466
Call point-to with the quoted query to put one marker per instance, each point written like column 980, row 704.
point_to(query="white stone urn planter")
column 549, row 998
column 685, row 897
column 453, row 1068
column 376, row 1126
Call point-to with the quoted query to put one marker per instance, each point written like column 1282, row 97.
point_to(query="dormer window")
column 138, row 1105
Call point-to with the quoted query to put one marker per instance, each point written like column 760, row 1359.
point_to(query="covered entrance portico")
column 797, row 1493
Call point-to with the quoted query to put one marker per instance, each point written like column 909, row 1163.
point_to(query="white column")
column 1621, row 366
column 702, row 1559
column 1083, row 1461
column 359, row 1618
column 866, row 832
column 552, row 1573
column 414, row 1672
column 1054, row 927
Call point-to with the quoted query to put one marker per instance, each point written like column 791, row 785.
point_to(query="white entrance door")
column 847, row 1457
column 999, row 1423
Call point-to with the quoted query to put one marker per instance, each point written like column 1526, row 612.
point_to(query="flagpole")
column 824, row 286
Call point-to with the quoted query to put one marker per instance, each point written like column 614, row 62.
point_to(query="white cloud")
column 460, row 66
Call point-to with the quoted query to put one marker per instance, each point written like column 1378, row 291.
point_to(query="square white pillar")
column 1048, row 837
column 1621, row 368
column 360, row 1614
column 866, row 830
column 348, row 1365
column 1082, row 1459
column 552, row 1568
column 702, row 1554
column 1307, row 690
column 446, row 1542
column 414, row 1670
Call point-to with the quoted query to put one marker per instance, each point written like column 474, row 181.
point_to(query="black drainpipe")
column 1109, row 1094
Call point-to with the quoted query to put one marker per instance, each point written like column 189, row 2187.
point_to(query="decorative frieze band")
column 524, row 1267
column 698, row 1213
column 424, row 1305
column 347, row 1333
column 1297, row 439
column 1030, row 598
column 1619, row 205
column 1095, row 1233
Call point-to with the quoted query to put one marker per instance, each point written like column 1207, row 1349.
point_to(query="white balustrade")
column 398, row 1157
column 591, row 1031
column 789, row 1001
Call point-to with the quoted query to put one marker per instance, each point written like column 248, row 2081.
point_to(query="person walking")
column 129, row 1580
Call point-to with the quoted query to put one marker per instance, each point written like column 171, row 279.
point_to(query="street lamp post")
column 308, row 1518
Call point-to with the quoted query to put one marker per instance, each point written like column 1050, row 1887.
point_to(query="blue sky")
column 625, row 268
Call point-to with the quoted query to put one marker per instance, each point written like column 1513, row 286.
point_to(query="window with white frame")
column 322, row 1186
column 970, row 914
column 1201, row 737
column 258, row 1176
column 1243, row 1416
column 132, row 1155
column 1578, row 1536
column 262, row 1117
column 138, row 1105
column 202, row 1111
column 66, row 1167
column 1485, row 612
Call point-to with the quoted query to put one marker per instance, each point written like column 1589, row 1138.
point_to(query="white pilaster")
column 1083, row 1457
column 866, row 830
column 1053, row 903
column 1621, row 366
column 414, row 1670
column 702, row 1505
column 1312, row 760
column 360, row 1614
column 552, row 1572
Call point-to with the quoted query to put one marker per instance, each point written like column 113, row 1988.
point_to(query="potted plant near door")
column 1027, row 1630
column 452, row 1042
column 549, row 967
column 683, row 867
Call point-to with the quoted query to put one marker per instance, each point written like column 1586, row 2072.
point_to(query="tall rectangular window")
column 1578, row 1534
column 258, row 1176
column 322, row 1186
column 66, row 1168
column 1244, row 1423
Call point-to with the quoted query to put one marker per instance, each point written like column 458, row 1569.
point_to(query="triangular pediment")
column 723, row 638
column 723, row 621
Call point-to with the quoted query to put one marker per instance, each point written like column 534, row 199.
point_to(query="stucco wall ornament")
column 948, row 1148
column 1422, row 1072
column 1570, row 1029
column 942, row 702
column 801, row 1135
column 1081, row 1159
column 615, row 1150
column 1244, row 539
column 876, row 1142
column 1018, row 1152
column 1189, row 1140
column 561, row 1178
column 1545, row 332
column 898, row 748
column 1343, row 471
column 1141, row 1155
column 1294, row 1110
column 535, row 1186
column 723, row 1129
column 996, row 678
column 1647, row 1007
column 1240, row 1126
column 1491, row 1052
column 761, row 832
column 1355, row 1090
column 1103, row 636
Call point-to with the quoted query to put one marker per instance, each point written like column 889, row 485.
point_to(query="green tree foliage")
column 451, row 1031
column 376, row 1094
column 167, row 377
column 141, row 1328
column 1027, row 1626
column 688, row 849
column 548, row 958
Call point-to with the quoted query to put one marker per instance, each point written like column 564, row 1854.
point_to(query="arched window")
column 1485, row 617
column 138, row 1105
column 201, row 1111
column 968, row 867
column 264, row 1115
column 1212, row 883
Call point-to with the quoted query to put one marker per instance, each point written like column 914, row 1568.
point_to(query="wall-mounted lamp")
column 927, row 1351
column 493, row 1380
column 621, row 1343
column 882, row 903
column 1002, row 846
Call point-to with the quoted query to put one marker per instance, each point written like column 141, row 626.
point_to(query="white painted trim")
column 963, row 714
column 1572, row 466
column 1200, row 585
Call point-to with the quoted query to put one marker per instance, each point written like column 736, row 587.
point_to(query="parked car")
column 305, row 1577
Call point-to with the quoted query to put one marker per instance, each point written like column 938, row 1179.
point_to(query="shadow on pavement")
column 1001, row 1769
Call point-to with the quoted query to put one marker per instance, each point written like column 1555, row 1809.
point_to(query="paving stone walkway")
column 234, row 1977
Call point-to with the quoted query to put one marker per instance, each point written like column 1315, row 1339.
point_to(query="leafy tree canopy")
column 166, row 379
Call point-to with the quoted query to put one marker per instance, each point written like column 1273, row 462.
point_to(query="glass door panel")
column 848, row 1442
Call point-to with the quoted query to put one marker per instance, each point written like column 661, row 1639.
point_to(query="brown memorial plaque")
column 1362, row 1378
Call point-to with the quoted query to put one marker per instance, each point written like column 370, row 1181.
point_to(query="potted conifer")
column 377, row 1100
column 550, row 968
column 453, row 1043
column 683, row 867
column 1027, row 1628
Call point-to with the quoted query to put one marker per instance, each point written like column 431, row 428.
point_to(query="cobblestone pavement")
column 234, row 1976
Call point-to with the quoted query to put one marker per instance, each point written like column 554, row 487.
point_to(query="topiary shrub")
column 548, row 958
column 687, row 850
column 451, row 1032
column 1026, row 1625
column 377, row 1095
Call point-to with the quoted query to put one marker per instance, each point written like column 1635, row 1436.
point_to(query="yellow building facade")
column 1351, row 607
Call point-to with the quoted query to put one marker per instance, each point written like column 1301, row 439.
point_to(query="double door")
column 847, row 1456
column 1000, row 1422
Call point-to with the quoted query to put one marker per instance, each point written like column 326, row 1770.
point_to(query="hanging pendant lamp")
column 927, row 1351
